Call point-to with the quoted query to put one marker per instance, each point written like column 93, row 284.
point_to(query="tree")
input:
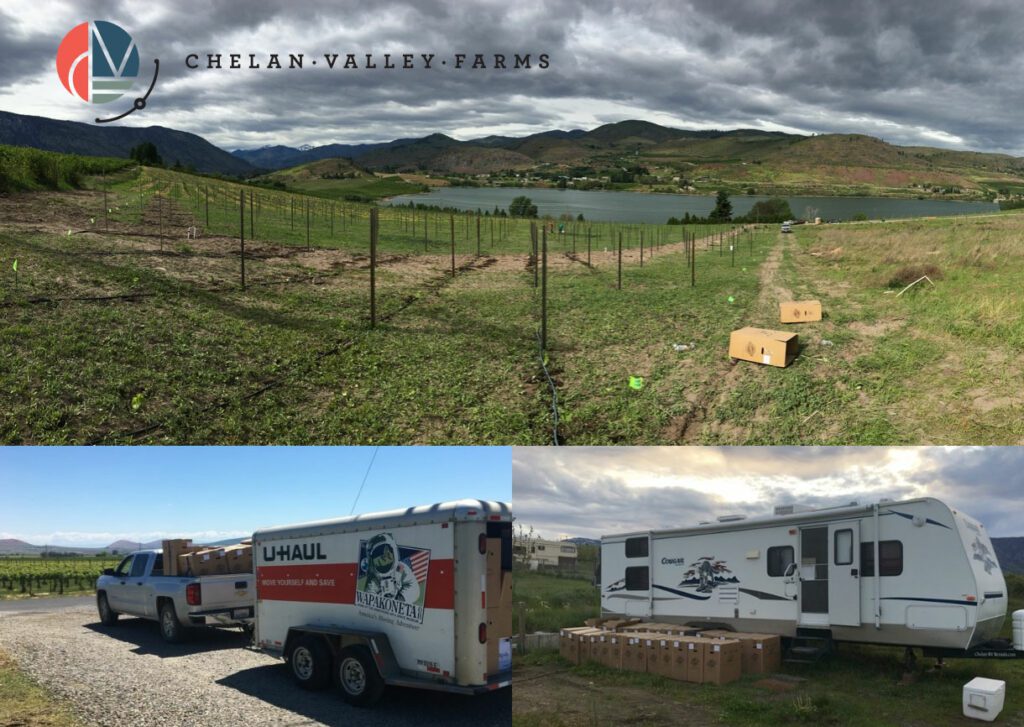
column 579, row 217
column 146, row 153
column 522, row 207
column 775, row 209
column 723, row 208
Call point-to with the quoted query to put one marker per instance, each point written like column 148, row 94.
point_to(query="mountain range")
column 13, row 546
column 621, row 152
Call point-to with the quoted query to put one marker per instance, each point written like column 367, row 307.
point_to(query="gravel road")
column 126, row 675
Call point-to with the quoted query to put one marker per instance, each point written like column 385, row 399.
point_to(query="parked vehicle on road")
column 139, row 587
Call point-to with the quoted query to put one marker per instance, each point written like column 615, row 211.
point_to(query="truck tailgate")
column 220, row 592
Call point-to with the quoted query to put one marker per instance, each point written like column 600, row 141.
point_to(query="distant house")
column 546, row 554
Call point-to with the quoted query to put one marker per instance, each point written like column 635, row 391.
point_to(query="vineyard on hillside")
column 33, row 576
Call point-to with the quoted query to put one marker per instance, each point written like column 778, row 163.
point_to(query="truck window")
column 139, row 566
column 637, row 578
column 890, row 554
column 636, row 547
column 779, row 558
column 124, row 567
column 158, row 565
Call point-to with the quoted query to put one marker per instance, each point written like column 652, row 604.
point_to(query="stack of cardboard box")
column 714, row 657
column 175, row 555
column 762, row 653
column 204, row 561
column 499, row 611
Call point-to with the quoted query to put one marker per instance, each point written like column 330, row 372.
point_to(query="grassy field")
column 860, row 685
column 23, row 702
column 118, row 329
column 32, row 576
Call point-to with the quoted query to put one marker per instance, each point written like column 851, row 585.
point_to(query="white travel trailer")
column 420, row 597
column 812, row 573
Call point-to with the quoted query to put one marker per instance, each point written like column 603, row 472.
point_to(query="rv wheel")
column 310, row 661
column 360, row 682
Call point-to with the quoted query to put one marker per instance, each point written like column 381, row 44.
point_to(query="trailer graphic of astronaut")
column 392, row 578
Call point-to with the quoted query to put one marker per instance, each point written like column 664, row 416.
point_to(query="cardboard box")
column 762, row 653
column 693, row 658
column 499, row 628
column 588, row 645
column 208, row 562
column 494, row 572
column 659, row 655
column 569, row 641
column 723, row 661
column 771, row 348
column 239, row 558
column 607, row 649
column 800, row 311
column 634, row 652
column 173, row 550
column 681, row 656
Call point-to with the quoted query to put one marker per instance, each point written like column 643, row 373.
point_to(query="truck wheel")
column 170, row 627
column 311, row 663
column 108, row 616
column 361, row 684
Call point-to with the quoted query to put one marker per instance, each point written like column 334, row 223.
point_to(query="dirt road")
column 126, row 675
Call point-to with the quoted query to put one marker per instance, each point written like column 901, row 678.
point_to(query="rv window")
column 779, row 558
column 636, row 547
column 636, row 578
column 890, row 553
column 843, row 547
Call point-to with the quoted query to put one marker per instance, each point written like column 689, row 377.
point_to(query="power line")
column 368, row 468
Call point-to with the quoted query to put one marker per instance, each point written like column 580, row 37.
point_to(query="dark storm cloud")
column 911, row 72
column 986, row 483
column 593, row 491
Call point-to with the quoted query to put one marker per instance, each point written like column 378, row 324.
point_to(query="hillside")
column 1010, row 552
column 72, row 137
column 737, row 160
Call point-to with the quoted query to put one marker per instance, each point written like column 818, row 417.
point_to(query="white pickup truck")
column 138, row 587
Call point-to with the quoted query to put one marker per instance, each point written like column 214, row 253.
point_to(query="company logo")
column 392, row 578
column 98, row 62
column 673, row 561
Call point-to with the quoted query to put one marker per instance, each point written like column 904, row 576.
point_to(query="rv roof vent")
column 792, row 509
column 731, row 518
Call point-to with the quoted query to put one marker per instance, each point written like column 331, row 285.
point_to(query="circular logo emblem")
column 97, row 62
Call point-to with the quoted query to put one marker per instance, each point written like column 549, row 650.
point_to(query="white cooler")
column 983, row 698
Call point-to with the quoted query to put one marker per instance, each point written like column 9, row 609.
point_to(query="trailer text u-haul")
column 419, row 597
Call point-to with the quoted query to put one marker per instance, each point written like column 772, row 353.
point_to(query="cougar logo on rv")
column 392, row 578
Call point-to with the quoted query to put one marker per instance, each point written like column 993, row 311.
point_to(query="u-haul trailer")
column 806, row 572
column 420, row 597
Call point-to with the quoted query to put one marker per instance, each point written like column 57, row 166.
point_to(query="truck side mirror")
column 790, row 573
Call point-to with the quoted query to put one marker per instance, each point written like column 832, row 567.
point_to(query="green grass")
column 143, row 336
column 554, row 602
column 24, row 168
column 860, row 685
column 361, row 190
column 23, row 702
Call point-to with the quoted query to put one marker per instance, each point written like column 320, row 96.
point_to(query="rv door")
column 844, row 574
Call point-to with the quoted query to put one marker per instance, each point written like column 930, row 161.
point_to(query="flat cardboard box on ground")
column 800, row 311
column 762, row 653
column 763, row 346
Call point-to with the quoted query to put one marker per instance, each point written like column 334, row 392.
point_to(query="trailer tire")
column 108, row 616
column 357, row 675
column 310, row 662
column 171, row 629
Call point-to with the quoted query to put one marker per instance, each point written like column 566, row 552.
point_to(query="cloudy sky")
column 589, row 492
column 935, row 72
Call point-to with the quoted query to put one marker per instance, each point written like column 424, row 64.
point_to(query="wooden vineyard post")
column 478, row 235
column 207, row 206
column 588, row 246
column 619, row 284
column 693, row 261
column 641, row 248
column 544, row 292
column 492, row 232
column 308, row 245
column 374, row 222
column 241, row 232
column 160, row 217
column 106, row 219
column 332, row 219
column 533, row 250
column 426, row 231
column 452, row 220
column 732, row 248
column 252, row 224
column 292, row 199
